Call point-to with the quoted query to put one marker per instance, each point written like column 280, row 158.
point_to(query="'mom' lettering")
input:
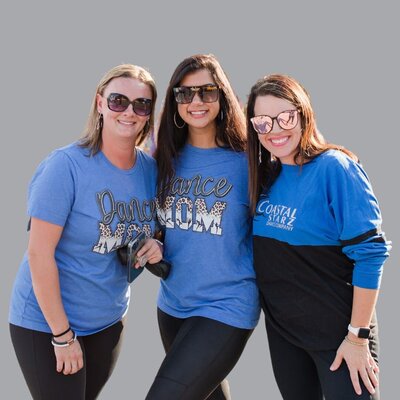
column 109, row 241
column 197, row 217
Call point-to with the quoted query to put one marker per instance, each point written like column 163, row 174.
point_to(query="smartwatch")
column 362, row 333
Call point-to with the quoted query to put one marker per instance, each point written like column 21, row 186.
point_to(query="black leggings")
column 200, row 354
column 37, row 360
column 305, row 375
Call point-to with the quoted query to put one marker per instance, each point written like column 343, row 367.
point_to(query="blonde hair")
column 92, row 134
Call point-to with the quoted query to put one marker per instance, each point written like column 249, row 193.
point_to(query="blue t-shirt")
column 208, row 239
column 317, row 232
column 100, row 207
column 327, row 202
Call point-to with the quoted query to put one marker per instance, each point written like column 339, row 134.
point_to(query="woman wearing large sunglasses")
column 208, row 306
column 318, row 249
column 85, row 201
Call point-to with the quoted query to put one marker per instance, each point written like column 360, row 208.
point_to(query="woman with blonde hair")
column 85, row 201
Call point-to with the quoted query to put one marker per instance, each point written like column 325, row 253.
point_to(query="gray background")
column 53, row 55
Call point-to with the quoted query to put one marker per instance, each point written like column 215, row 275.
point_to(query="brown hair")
column 91, row 136
column 231, row 129
column 263, row 168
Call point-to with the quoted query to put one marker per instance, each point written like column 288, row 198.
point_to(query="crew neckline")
column 192, row 148
column 121, row 170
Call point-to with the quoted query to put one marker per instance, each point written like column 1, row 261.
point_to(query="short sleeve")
column 51, row 190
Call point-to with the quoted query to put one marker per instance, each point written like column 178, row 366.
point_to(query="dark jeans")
column 305, row 375
column 200, row 354
column 37, row 360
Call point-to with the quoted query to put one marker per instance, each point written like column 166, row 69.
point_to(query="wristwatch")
column 362, row 332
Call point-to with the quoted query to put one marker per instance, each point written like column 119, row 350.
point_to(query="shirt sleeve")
column 358, row 220
column 52, row 189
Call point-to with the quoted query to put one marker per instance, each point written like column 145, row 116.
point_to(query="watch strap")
column 360, row 332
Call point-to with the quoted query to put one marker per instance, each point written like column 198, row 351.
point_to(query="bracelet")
column 355, row 343
column 55, row 336
column 160, row 243
column 66, row 343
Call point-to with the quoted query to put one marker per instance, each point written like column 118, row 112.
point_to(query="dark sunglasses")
column 263, row 124
column 207, row 93
column 118, row 102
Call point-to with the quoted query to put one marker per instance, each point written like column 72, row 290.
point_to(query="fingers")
column 374, row 366
column 355, row 381
column 372, row 377
column 71, row 368
column 361, row 365
column 369, row 379
column 60, row 364
column 69, row 359
column 141, row 261
column 150, row 252
column 336, row 362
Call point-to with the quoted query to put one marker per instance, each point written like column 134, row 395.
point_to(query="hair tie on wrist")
column 66, row 343
column 63, row 333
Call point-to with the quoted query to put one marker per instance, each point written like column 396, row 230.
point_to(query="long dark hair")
column 263, row 168
column 231, row 128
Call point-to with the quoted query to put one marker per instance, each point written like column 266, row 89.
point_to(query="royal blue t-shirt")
column 100, row 207
column 208, row 239
column 317, row 232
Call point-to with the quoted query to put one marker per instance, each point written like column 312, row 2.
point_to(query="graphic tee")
column 316, row 234
column 208, row 239
column 100, row 207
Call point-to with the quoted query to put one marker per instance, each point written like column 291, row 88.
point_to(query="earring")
column 99, row 124
column 179, row 127
column 259, row 152
column 221, row 115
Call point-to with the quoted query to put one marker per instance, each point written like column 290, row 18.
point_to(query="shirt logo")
column 277, row 215
column 186, row 213
column 128, row 218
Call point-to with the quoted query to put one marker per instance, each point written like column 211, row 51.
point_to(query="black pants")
column 37, row 360
column 305, row 375
column 200, row 354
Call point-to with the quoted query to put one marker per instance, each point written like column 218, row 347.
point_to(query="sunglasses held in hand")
column 119, row 102
column 128, row 257
column 185, row 94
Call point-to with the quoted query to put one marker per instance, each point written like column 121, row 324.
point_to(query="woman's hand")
column 360, row 363
column 69, row 359
column 151, row 252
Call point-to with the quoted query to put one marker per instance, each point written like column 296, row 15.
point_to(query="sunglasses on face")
column 118, row 102
column 207, row 93
column 263, row 124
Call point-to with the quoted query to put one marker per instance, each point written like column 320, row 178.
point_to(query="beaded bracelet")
column 66, row 343
column 355, row 343
column 63, row 333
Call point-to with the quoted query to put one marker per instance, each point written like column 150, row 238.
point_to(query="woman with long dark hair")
column 318, row 249
column 208, row 306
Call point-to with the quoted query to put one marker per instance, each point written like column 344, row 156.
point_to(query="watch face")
column 363, row 333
